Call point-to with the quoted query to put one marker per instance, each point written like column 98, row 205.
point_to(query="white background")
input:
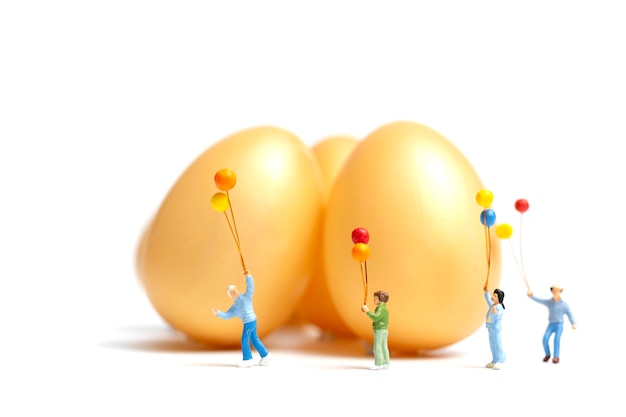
column 104, row 104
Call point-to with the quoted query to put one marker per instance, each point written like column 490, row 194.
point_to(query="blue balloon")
column 488, row 216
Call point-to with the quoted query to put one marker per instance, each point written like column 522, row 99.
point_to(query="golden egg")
column 316, row 306
column 189, row 254
column 415, row 193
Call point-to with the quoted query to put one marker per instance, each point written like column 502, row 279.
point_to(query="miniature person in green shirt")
column 380, row 323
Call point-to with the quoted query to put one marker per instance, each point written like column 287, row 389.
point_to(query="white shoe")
column 489, row 365
column 377, row 367
column 265, row 360
column 246, row 364
column 386, row 366
column 496, row 366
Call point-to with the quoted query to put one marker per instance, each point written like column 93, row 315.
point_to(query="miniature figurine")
column 557, row 308
column 242, row 308
column 380, row 324
column 493, row 323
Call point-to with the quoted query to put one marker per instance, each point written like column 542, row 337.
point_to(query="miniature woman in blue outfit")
column 242, row 308
column 493, row 321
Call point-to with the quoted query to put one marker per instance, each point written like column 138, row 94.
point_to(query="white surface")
column 102, row 105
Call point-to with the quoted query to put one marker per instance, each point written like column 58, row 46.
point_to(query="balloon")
column 484, row 198
column 225, row 179
column 219, row 202
column 360, row 252
column 521, row 205
column 504, row 231
column 488, row 216
column 426, row 236
column 360, row 235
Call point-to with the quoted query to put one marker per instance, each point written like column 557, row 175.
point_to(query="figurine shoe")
column 546, row 358
column 245, row 364
column 555, row 360
column 489, row 365
column 386, row 366
column 377, row 367
column 496, row 366
column 266, row 359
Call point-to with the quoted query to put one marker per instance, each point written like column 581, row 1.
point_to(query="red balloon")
column 521, row 205
column 360, row 235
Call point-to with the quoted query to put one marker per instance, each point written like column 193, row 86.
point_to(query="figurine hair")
column 500, row 295
column 383, row 296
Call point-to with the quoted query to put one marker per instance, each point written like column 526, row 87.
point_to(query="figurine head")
column 232, row 291
column 499, row 294
column 556, row 290
column 382, row 297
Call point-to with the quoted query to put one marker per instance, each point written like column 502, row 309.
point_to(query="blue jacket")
column 242, row 306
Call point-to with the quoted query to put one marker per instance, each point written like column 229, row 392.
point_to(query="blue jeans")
column 557, row 329
column 381, row 348
column 249, row 336
column 495, row 343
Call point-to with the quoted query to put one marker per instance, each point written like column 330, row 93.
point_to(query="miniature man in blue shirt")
column 493, row 322
column 557, row 308
column 242, row 308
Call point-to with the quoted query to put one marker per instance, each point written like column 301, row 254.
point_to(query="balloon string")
column 518, row 265
column 488, row 250
column 232, row 214
column 232, row 231
column 364, row 280
column 366, row 283
column 522, row 271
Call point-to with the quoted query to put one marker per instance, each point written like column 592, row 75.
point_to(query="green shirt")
column 380, row 317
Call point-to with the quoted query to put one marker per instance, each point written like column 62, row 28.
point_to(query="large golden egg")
column 316, row 306
column 188, row 255
column 415, row 193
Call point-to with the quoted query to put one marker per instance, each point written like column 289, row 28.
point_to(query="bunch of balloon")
column 484, row 198
column 360, row 253
column 225, row 179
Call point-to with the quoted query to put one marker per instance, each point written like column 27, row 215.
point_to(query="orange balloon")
column 360, row 252
column 428, row 243
column 225, row 179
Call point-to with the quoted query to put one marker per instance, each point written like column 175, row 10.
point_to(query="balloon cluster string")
column 488, row 250
column 519, row 268
column 364, row 279
column 366, row 283
column 233, row 230
column 522, row 270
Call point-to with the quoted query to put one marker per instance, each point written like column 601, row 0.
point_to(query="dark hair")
column 500, row 295
column 383, row 296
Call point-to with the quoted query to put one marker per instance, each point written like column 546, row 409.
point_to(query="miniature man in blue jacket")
column 557, row 308
column 242, row 308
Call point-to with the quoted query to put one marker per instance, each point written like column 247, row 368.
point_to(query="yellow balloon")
column 219, row 202
column 484, row 198
column 360, row 252
column 316, row 306
column 189, row 256
column 430, row 250
column 504, row 231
